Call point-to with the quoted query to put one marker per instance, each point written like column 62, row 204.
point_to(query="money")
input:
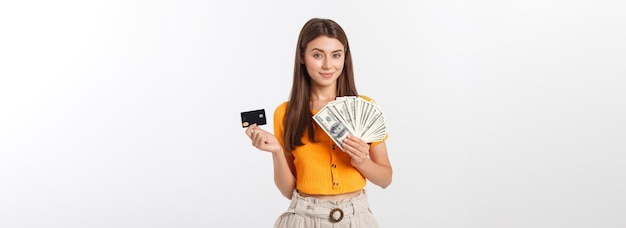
column 331, row 125
column 352, row 115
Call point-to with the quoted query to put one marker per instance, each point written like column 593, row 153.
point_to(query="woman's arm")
column 284, row 174
column 372, row 162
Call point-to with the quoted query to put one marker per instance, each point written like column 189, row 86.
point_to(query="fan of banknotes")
column 352, row 115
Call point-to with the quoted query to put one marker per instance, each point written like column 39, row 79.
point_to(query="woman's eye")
column 317, row 56
column 337, row 55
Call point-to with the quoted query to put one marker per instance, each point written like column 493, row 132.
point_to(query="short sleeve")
column 279, row 128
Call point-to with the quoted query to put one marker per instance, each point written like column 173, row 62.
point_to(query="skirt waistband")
column 334, row 211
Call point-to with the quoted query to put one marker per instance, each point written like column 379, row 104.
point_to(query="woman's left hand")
column 358, row 149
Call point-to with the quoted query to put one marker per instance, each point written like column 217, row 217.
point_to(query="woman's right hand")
column 263, row 140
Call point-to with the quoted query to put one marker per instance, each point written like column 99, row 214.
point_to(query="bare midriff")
column 338, row 197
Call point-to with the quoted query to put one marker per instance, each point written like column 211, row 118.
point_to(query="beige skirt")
column 306, row 212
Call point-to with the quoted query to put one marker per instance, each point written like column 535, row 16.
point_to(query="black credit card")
column 253, row 117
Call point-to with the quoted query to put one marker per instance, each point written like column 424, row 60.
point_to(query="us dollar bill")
column 330, row 123
column 340, row 109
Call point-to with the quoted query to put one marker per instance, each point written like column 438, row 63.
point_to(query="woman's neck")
column 318, row 102
column 326, row 94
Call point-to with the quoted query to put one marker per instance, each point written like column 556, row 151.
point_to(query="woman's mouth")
column 327, row 75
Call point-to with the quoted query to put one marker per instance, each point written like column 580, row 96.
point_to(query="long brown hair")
column 298, row 117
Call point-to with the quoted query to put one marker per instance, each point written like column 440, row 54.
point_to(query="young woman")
column 325, row 184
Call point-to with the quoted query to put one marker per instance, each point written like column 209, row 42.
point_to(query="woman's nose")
column 326, row 64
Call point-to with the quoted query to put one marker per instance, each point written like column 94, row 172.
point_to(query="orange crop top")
column 321, row 167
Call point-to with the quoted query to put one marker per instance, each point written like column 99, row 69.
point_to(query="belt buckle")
column 332, row 212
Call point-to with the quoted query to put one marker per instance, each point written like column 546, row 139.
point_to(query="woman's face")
column 324, row 58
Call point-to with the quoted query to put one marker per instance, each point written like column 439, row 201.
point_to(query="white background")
column 126, row 113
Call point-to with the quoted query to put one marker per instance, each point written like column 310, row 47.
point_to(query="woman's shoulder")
column 367, row 98
column 281, row 108
column 282, row 105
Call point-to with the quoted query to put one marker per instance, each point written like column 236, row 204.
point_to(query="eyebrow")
column 317, row 49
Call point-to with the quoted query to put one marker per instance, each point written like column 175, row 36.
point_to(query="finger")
column 351, row 151
column 358, row 143
column 255, row 136
column 250, row 130
column 355, row 142
column 358, row 152
column 348, row 142
column 352, row 146
column 354, row 139
column 256, row 141
column 355, row 153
